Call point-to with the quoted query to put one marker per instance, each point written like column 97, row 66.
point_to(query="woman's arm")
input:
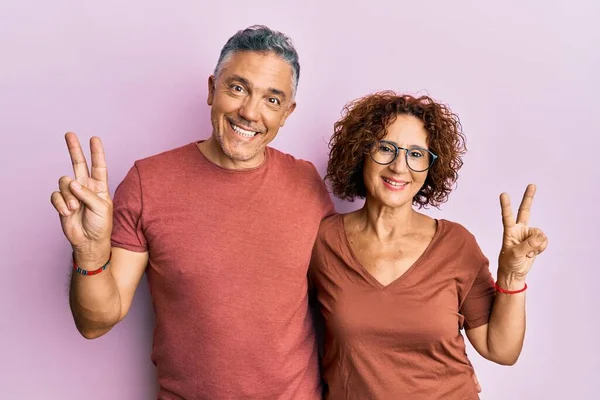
column 501, row 339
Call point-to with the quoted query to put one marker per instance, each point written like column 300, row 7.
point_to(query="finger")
column 59, row 204
column 477, row 385
column 525, row 207
column 507, row 216
column 69, row 198
column 544, row 244
column 80, row 167
column 531, row 246
column 99, row 171
column 91, row 200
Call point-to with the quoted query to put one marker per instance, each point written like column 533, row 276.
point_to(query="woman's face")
column 394, row 185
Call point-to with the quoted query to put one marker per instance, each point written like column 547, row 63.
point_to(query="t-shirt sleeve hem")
column 476, row 323
column 130, row 247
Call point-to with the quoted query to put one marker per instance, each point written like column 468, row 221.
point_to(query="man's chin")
column 242, row 155
column 241, row 150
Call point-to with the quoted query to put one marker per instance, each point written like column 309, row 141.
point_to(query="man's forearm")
column 94, row 299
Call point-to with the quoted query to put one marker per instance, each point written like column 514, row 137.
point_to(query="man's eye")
column 274, row 100
column 237, row 88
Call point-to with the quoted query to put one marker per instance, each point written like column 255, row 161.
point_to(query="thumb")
column 532, row 245
column 477, row 385
column 87, row 197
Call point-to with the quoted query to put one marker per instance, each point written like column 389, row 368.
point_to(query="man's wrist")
column 93, row 256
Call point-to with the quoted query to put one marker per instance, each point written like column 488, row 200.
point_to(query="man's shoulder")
column 288, row 163
column 171, row 157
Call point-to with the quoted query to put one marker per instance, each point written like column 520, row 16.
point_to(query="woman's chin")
column 393, row 200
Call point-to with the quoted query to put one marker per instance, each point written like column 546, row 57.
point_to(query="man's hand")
column 84, row 204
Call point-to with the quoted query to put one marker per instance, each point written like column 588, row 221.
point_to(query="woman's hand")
column 520, row 242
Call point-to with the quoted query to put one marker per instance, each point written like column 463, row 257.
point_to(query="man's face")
column 250, row 100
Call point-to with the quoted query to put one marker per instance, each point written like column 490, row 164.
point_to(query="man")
column 224, row 229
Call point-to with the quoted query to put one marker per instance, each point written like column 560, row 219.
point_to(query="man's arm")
column 99, row 302
column 85, row 208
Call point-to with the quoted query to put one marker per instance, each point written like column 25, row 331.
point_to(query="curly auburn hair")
column 364, row 122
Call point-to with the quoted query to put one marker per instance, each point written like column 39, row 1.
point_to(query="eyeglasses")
column 418, row 159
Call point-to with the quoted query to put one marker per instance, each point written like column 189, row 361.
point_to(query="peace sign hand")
column 520, row 243
column 84, row 204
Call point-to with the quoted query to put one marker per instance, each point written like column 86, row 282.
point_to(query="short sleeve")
column 127, row 214
column 328, row 207
column 323, row 194
column 478, row 303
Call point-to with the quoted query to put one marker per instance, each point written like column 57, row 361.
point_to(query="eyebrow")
column 410, row 146
column 247, row 83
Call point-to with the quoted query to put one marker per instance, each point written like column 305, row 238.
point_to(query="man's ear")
column 287, row 113
column 211, row 89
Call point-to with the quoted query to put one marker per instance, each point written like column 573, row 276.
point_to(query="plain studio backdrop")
column 521, row 75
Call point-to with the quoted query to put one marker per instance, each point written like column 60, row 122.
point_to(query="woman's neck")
column 387, row 223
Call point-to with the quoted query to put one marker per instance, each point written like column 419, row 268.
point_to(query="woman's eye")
column 417, row 153
column 385, row 149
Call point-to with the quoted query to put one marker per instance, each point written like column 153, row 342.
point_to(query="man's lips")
column 243, row 131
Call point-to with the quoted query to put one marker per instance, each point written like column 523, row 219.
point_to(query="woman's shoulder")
column 455, row 228
column 330, row 224
column 456, row 235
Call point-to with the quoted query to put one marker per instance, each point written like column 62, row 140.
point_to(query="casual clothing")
column 229, row 253
column 403, row 340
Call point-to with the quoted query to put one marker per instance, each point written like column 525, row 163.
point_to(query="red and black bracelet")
column 94, row 272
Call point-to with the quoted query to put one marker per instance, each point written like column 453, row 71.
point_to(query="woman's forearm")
column 506, row 329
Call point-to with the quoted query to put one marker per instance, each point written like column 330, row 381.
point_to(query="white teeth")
column 394, row 183
column 243, row 132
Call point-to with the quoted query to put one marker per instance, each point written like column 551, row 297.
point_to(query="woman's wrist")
column 510, row 281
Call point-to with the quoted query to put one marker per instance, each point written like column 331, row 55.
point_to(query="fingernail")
column 73, row 204
column 531, row 254
column 76, row 185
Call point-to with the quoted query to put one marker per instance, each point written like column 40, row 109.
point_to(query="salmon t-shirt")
column 403, row 340
column 228, row 257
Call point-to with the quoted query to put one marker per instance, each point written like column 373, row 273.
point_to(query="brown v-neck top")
column 403, row 340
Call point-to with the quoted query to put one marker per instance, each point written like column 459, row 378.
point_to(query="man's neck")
column 211, row 149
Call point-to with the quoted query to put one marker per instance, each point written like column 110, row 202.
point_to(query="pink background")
column 522, row 76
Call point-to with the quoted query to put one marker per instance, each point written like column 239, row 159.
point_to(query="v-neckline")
column 368, row 276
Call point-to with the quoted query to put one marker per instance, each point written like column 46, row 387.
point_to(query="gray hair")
column 260, row 38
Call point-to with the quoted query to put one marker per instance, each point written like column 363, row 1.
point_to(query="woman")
column 394, row 286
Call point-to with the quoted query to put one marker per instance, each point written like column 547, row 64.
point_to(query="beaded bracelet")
column 498, row 288
column 94, row 272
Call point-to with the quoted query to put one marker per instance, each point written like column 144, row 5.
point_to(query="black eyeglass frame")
column 397, row 152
